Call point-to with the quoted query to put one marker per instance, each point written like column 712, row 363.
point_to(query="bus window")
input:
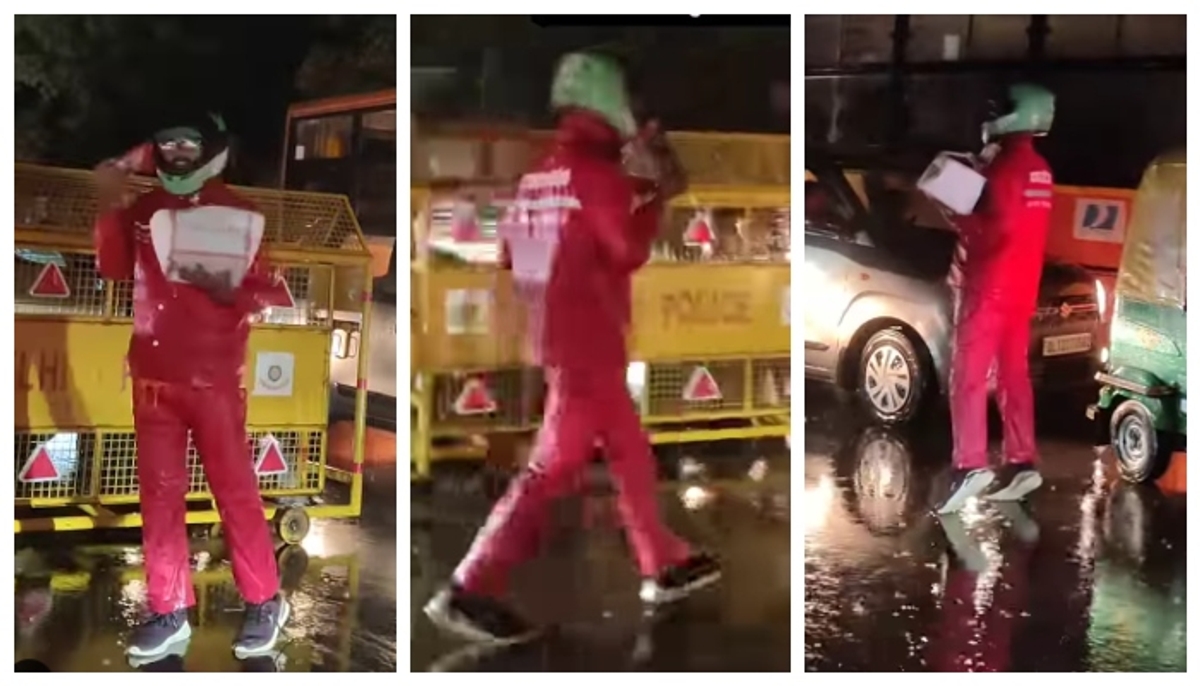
column 338, row 345
column 323, row 138
column 352, row 349
column 379, row 137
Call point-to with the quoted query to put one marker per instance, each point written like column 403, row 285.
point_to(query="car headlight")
column 1101, row 299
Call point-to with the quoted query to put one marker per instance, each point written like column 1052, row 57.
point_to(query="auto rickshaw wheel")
column 1142, row 455
column 292, row 525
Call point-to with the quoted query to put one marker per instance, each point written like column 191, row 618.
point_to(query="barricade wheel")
column 292, row 525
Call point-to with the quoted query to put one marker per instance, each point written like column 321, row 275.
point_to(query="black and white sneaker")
column 678, row 581
column 477, row 618
column 158, row 633
column 1017, row 481
column 964, row 485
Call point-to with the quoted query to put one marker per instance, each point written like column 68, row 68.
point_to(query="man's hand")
column 112, row 186
column 218, row 285
column 650, row 156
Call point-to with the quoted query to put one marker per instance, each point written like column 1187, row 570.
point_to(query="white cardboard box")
column 217, row 238
column 951, row 181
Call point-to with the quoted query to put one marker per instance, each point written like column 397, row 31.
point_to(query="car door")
column 827, row 291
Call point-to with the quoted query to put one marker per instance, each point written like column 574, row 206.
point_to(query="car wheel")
column 891, row 377
column 1141, row 454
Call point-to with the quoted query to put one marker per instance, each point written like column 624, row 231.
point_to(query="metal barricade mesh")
column 64, row 200
column 102, row 467
column 518, row 395
column 39, row 274
column 666, row 385
column 88, row 294
column 772, row 383
column 734, row 159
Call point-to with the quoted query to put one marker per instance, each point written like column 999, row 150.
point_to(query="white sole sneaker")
column 454, row 623
column 181, row 636
column 1022, row 485
column 975, row 483
column 653, row 594
column 285, row 611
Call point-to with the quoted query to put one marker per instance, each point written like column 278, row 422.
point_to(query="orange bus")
column 347, row 145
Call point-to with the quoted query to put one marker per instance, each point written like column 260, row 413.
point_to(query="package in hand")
column 213, row 238
column 951, row 180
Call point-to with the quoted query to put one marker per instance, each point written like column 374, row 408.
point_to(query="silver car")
column 877, row 307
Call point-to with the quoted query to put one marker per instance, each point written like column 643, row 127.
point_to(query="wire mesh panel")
column 696, row 386
column 57, row 283
column 70, row 467
column 504, row 398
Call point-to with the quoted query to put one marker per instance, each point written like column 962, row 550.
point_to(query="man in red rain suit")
column 186, row 359
column 579, row 228
column 1003, row 244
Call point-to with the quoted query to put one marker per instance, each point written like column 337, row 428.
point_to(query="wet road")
column 584, row 586
column 1090, row 576
column 78, row 594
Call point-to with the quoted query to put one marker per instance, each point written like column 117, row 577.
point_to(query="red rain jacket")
column 573, row 237
column 1005, row 239
column 180, row 334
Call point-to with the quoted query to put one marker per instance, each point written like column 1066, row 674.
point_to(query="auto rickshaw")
column 1143, row 394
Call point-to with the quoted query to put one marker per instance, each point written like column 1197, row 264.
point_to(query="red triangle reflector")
column 50, row 283
column 270, row 457
column 278, row 294
column 701, row 387
column 475, row 398
column 38, row 467
column 699, row 231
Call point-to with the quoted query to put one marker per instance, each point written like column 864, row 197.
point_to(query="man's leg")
column 669, row 569
column 1014, row 394
column 561, row 451
column 219, row 431
column 162, row 442
column 974, row 350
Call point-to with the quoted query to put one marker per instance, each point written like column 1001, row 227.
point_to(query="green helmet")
column 1028, row 108
column 595, row 83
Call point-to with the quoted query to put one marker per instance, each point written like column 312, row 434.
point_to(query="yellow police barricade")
column 75, row 458
column 94, row 642
column 711, row 312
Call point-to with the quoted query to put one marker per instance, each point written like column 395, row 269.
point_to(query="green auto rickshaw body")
column 1148, row 336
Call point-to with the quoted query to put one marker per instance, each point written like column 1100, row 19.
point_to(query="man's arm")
column 1001, row 193
column 622, row 225
column 112, row 233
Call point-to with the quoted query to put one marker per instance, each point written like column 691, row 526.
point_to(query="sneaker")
column 477, row 617
column 678, row 581
column 1018, row 481
column 964, row 485
column 170, row 660
column 158, row 633
column 261, row 627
